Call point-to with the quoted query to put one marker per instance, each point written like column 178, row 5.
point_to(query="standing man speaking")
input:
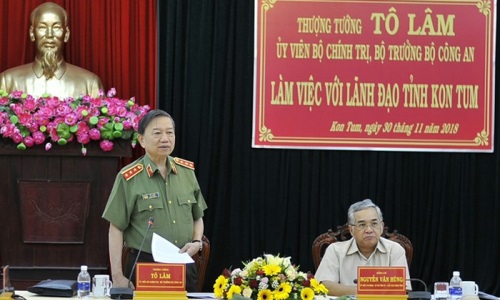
column 155, row 186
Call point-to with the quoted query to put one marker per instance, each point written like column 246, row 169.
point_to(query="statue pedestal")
column 51, row 204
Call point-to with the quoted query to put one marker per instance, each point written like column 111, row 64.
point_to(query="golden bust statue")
column 49, row 73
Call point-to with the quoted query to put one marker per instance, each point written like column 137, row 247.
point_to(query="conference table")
column 199, row 296
column 27, row 295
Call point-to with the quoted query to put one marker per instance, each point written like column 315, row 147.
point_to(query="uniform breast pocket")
column 185, row 204
column 152, row 208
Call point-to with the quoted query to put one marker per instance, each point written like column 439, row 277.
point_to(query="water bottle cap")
column 456, row 273
column 84, row 268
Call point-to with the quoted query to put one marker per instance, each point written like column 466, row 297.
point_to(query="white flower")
column 273, row 260
column 302, row 274
column 244, row 274
column 247, row 292
column 263, row 285
column 235, row 272
column 291, row 273
column 287, row 261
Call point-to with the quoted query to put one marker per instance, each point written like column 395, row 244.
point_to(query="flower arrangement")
column 30, row 121
column 268, row 278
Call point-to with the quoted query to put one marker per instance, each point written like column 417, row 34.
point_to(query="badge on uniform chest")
column 151, row 196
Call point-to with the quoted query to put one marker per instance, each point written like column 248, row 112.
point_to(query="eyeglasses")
column 363, row 226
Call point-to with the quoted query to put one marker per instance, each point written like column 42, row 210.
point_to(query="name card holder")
column 160, row 281
column 381, row 283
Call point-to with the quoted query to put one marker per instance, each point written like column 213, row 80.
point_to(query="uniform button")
column 173, row 221
column 189, row 201
column 175, row 241
column 150, row 207
column 169, row 202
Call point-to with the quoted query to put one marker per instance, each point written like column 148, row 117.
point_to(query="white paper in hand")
column 165, row 252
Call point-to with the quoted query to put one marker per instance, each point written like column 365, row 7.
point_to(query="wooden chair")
column 200, row 260
column 342, row 234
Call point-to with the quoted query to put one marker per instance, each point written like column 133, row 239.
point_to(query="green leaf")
column 118, row 126
column 14, row 119
column 94, row 120
column 107, row 132
column 127, row 134
column 63, row 131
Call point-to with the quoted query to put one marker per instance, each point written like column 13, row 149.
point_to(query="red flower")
column 254, row 283
column 226, row 273
column 106, row 145
column 238, row 280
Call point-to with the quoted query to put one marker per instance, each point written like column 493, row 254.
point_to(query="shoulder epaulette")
column 184, row 163
column 132, row 171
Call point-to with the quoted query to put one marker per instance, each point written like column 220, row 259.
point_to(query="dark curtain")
column 278, row 201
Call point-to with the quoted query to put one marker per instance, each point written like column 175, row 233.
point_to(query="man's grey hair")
column 150, row 116
column 362, row 205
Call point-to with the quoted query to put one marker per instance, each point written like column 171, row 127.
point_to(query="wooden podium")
column 51, row 204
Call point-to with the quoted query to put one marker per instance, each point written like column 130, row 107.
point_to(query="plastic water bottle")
column 83, row 281
column 455, row 289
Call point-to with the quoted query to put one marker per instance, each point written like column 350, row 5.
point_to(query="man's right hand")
column 122, row 281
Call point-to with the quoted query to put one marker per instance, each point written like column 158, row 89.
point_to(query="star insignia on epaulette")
column 185, row 163
column 132, row 171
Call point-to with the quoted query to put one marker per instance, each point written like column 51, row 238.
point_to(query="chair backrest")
column 342, row 234
column 200, row 260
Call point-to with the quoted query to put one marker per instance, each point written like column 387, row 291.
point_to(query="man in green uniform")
column 158, row 186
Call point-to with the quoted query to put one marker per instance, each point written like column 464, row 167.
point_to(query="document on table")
column 165, row 252
column 483, row 295
column 201, row 295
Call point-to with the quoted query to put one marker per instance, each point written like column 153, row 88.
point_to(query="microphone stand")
column 419, row 294
column 128, row 292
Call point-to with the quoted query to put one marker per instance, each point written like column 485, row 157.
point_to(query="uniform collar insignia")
column 150, row 170
column 174, row 169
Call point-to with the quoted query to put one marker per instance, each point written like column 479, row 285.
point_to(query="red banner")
column 381, row 281
column 160, row 277
column 382, row 75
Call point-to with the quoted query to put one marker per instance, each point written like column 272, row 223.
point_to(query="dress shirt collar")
column 151, row 168
column 353, row 247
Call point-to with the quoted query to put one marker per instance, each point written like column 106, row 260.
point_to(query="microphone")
column 419, row 294
column 128, row 292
